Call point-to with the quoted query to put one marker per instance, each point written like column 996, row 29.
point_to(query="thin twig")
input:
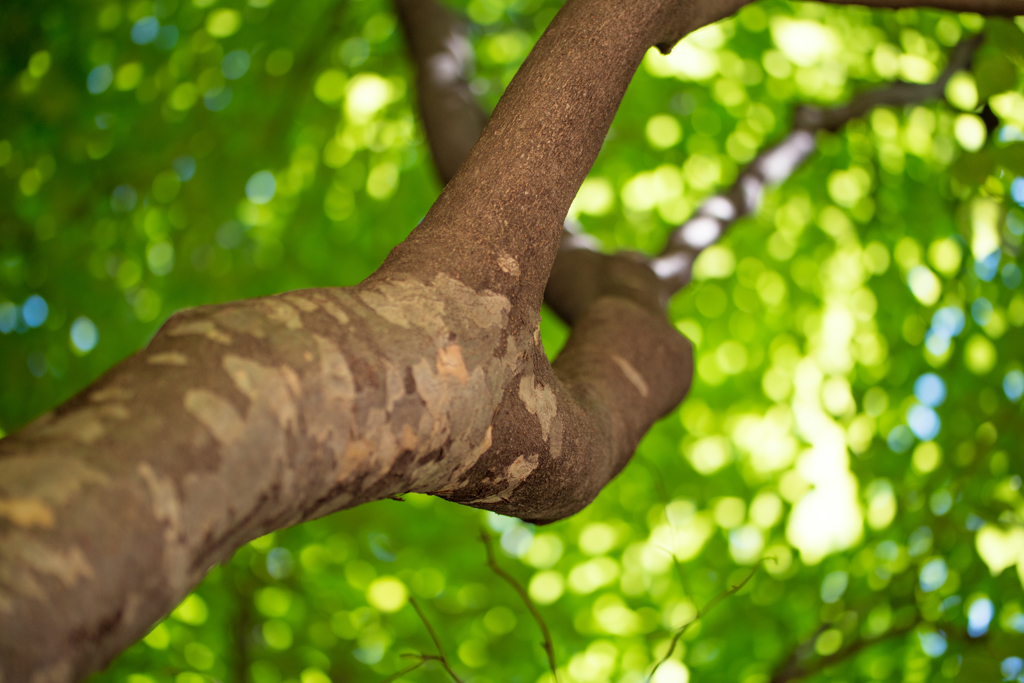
column 791, row 671
column 701, row 614
column 437, row 641
column 398, row 674
column 549, row 645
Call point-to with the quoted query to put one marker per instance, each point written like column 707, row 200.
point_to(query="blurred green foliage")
column 855, row 417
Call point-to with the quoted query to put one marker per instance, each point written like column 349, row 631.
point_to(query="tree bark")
column 429, row 376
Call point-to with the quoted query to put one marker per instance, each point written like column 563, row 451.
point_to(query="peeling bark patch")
column 357, row 453
column 304, row 305
column 115, row 411
column 405, row 303
column 168, row 358
column 518, row 471
column 336, row 313
column 540, row 401
column 450, row 363
column 27, row 512
column 408, row 439
column 339, row 385
column 243, row 321
column 484, row 445
column 263, row 385
column 508, row 264
column 53, row 673
column 67, row 566
column 292, row 378
column 82, row 425
column 204, row 328
column 167, row 511
column 632, row 375
column 485, row 309
column 283, row 313
column 216, row 414
column 111, row 394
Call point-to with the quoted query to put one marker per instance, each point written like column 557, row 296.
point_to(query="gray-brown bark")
column 430, row 376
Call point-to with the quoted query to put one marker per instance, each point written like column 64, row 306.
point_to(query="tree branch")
column 250, row 416
column 443, row 56
column 714, row 217
column 437, row 641
column 700, row 615
column 794, row 668
column 549, row 643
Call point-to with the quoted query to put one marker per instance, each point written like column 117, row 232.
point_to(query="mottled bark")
column 429, row 376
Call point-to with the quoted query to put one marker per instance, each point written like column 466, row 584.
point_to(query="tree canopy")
column 851, row 441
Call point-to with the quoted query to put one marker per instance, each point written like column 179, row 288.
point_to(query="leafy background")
column 855, row 416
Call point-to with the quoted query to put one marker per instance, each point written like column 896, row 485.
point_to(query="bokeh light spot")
column 261, row 187
column 933, row 574
column 223, row 22
column 145, row 30
column 235, row 64
column 387, row 594
column 1013, row 385
column 84, row 334
column 979, row 616
column 35, row 311
column 99, row 79
column 924, row 422
column 930, row 390
column 123, row 198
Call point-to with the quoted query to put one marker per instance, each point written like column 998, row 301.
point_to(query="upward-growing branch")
column 508, row 201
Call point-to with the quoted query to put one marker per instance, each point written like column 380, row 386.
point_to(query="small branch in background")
column 700, row 615
column 440, row 656
column 398, row 674
column 242, row 624
column 492, row 562
column 662, row 490
column 444, row 58
column 995, row 8
column 675, row 263
column 793, row 668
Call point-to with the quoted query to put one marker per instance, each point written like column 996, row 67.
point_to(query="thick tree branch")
column 249, row 416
